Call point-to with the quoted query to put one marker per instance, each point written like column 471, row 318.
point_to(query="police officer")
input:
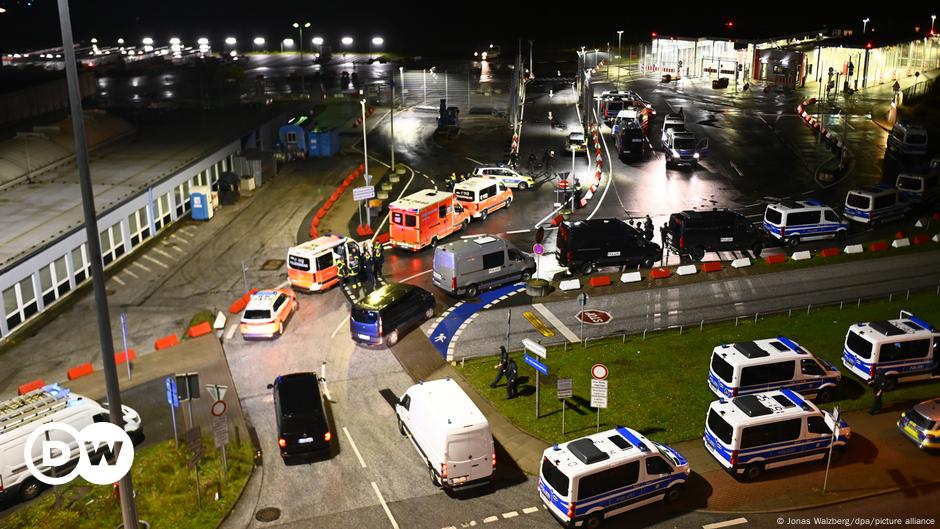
column 342, row 271
column 512, row 379
column 378, row 259
column 663, row 236
column 501, row 368
column 354, row 265
column 878, row 388
column 365, row 268
column 577, row 194
column 648, row 229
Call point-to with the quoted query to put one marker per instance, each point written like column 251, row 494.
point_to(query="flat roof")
column 421, row 199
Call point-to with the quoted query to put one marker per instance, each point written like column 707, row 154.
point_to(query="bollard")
column 858, row 303
column 890, row 298
column 908, row 296
column 755, row 316
column 807, row 308
column 736, row 321
column 644, row 335
column 624, row 337
column 840, row 304
column 789, row 313
column 680, row 330
column 701, row 323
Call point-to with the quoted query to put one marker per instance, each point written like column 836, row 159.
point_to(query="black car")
column 693, row 233
column 388, row 312
column 303, row 430
column 585, row 245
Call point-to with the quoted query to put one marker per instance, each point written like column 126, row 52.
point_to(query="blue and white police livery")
column 921, row 424
column 584, row 481
column 902, row 349
column 908, row 138
column 803, row 220
column 753, row 433
column 873, row 204
column 920, row 188
column 775, row 363
column 508, row 177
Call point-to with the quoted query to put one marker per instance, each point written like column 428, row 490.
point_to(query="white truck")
column 449, row 432
column 21, row 415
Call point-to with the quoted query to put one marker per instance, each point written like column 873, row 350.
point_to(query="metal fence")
column 918, row 90
column 468, row 90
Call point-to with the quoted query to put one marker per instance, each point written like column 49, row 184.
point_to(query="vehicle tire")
column 823, row 396
column 526, row 275
column 840, row 235
column 674, row 493
column 472, row 291
column 465, row 224
column 587, row 268
column 484, row 214
column 508, row 202
column 30, row 489
column 752, row 472
column 594, row 521
column 837, row 453
column 648, row 263
column 391, row 338
column 523, row 186
column 793, row 242
column 434, row 242
column 697, row 254
column 891, row 383
column 756, row 249
column 401, row 428
column 433, row 475
column 428, row 314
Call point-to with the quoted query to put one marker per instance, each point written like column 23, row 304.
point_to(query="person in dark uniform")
column 354, row 271
column 663, row 236
column 648, row 229
column 342, row 271
column 365, row 268
column 501, row 368
column 512, row 379
column 378, row 260
column 878, row 388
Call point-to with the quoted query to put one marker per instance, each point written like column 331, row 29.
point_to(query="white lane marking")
column 231, row 331
column 385, row 219
column 130, row 273
column 428, row 271
column 518, row 231
column 285, row 284
column 384, row 505
column 472, row 236
column 177, row 248
column 736, row 169
column 164, row 254
column 474, row 161
column 184, row 232
column 550, row 316
column 142, row 266
column 510, row 514
column 118, row 280
column 490, row 519
column 338, row 327
column 530, row 510
column 180, row 239
column 726, row 523
column 152, row 260
column 354, row 447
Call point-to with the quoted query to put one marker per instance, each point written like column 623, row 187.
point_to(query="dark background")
column 444, row 28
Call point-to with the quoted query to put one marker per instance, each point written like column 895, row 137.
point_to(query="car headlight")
column 696, row 156
column 675, row 153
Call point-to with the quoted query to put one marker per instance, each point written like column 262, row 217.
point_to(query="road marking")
column 130, row 273
column 118, row 279
column 184, row 232
column 152, row 260
column 164, row 254
column 537, row 323
column 177, row 248
column 285, row 284
column 180, row 239
column 474, row 161
column 518, row 231
column 543, row 310
column 384, row 505
column 472, row 236
column 510, row 514
column 726, row 523
column 530, row 510
column 338, row 327
column 414, row 276
column 231, row 331
column 142, row 266
column 736, row 169
column 490, row 519
column 354, row 447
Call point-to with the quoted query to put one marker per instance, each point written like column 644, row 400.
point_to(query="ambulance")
column 482, row 196
column 311, row 266
column 423, row 218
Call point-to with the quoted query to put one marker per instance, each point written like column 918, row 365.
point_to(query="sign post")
column 188, row 386
column 194, row 445
column 540, row 368
column 836, row 413
column 127, row 354
column 173, row 399
column 219, row 420
column 564, row 391
column 599, row 374
column 508, row 327
column 583, row 300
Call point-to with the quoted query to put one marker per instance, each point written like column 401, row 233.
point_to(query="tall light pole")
column 865, row 22
column 375, row 42
column 113, row 390
column 365, row 156
column 933, row 18
column 531, row 64
column 391, row 115
column 619, row 54
column 401, row 75
column 300, row 28
column 259, row 43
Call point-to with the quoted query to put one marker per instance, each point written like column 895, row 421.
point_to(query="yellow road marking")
column 537, row 323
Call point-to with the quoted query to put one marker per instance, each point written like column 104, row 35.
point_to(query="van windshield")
column 720, row 427
column 858, row 201
column 909, row 183
column 684, row 144
column 722, row 368
column 858, row 345
column 773, row 216
column 364, row 316
column 555, row 478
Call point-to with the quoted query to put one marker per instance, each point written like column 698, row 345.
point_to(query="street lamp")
column 933, row 18
column 865, row 22
column 300, row 28
column 147, row 41
column 376, row 41
column 120, row 41
column 231, row 41
column 318, row 42
column 619, row 54
column 347, row 41
column 258, row 42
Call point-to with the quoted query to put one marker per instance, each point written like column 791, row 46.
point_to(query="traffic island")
column 537, row 287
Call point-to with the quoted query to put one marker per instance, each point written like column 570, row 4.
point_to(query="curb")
column 238, row 499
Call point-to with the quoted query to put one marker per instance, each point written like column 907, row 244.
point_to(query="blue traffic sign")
column 172, row 397
column 540, row 367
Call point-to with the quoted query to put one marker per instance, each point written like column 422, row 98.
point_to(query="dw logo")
column 98, row 442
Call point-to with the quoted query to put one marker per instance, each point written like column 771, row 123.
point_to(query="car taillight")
column 734, row 457
column 571, row 510
column 494, row 459
column 734, row 392
column 327, row 436
column 783, row 230
column 444, row 470
column 682, row 241
column 570, row 256
column 453, row 282
column 282, row 442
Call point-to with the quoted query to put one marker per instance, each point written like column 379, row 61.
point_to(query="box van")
column 423, row 218
column 449, row 432
column 467, row 266
column 482, row 196
column 388, row 312
column 695, row 232
column 302, row 426
column 774, row 363
column 629, row 134
column 904, row 349
column 908, row 138
column 311, row 266
column 584, row 481
column 585, row 245
column 921, row 424
column 20, row 416
column 804, row 220
column 753, row 433
column 874, row 204
column 919, row 188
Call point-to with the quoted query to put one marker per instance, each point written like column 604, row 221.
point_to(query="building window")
column 79, row 264
column 47, row 284
column 61, row 277
column 11, row 307
column 28, row 297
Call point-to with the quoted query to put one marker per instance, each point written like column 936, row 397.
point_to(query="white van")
column 449, row 432
column 467, row 266
column 908, row 138
column 753, row 433
column 584, row 481
column 774, row 363
column 803, row 220
column 21, row 415
column 904, row 349
column 870, row 205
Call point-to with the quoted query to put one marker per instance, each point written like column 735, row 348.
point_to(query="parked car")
column 303, row 430
column 267, row 313
column 921, row 424
column 585, row 245
column 693, row 233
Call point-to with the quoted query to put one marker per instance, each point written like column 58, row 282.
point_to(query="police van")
column 775, row 363
column 919, row 188
column 908, row 138
column 903, row 349
column 874, row 204
column 753, row 433
column 584, row 481
column 803, row 220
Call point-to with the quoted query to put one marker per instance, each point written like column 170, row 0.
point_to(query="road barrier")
column 711, row 266
column 30, row 386
column 199, row 330
column 599, row 281
column 879, row 246
column 920, row 239
column 166, row 342
column 829, row 252
column 660, row 273
column 775, row 259
column 121, row 356
column 80, row 371
column 900, row 243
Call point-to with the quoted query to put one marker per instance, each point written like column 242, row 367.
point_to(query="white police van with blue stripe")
column 774, row 363
column 873, row 204
column 753, row 433
column 604, row 474
column 803, row 220
column 904, row 349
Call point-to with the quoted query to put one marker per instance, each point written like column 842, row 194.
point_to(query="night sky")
column 430, row 28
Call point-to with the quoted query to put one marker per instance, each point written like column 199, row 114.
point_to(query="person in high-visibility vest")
column 342, row 271
column 378, row 259
column 354, row 272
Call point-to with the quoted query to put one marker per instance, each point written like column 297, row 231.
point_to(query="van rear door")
column 469, row 454
column 444, row 269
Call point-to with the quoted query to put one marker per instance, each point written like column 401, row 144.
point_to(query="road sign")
column 363, row 193
column 598, row 393
column 538, row 366
column 535, row 347
column 172, row 397
column 218, row 408
column 538, row 249
column 217, row 391
column 599, row 371
column 565, row 388
column 545, row 330
column 220, row 430
column 594, row 317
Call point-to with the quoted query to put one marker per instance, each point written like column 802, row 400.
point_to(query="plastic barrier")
column 660, row 273
column 199, row 330
column 121, row 356
column 558, row 219
column 775, row 259
column 900, row 243
column 320, row 214
column 829, row 252
column 686, row 270
column 315, row 223
column 899, row 234
column 879, row 246
column 599, row 281
column 30, row 386
column 630, row 277
column 165, row 342
column 363, row 230
column 920, row 239
column 80, row 371
column 383, row 238
column 238, row 306
column 801, row 255
column 711, row 266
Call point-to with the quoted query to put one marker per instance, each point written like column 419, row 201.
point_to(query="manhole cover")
column 268, row 514
column 272, row 264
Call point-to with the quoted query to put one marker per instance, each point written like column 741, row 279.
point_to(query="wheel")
column 594, row 521
column 648, row 263
column 434, row 241
column 840, row 235
column 465, row 224
column 392, row 338
column 401, row 427
column 891, row 383
column 472, row 291
column 587, row 268
column 484, row 214
column 753, row 471
column 508, row 202
column 433, row 475
column 793, row 242
column 674, row 493
column 30, row 489
column 824, row 395
column 526, row 275
column 837, row 452
column 523, row 186
column 428, row 314
column 698, row 253
column 756, row 249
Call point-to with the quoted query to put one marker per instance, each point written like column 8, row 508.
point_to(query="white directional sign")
column 535, row 347
column 598, row 393
column 363, row 193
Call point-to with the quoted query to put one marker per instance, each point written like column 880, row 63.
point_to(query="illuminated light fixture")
column 653, row 34
column 378, row 41
column 317, row 41
column 288, row 42
column 347, row 41
column 175, row 41
column 94, row 40
column 147, row 41
column 202, row 41
column 231, row 41
column 259, row 41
